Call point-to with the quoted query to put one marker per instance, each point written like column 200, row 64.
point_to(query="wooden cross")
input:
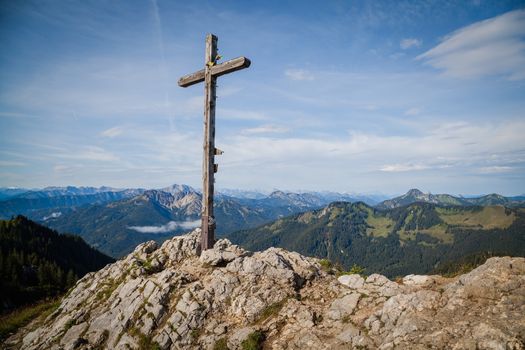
column 209, row 75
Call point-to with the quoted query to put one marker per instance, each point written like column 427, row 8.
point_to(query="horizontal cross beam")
column 216, row 71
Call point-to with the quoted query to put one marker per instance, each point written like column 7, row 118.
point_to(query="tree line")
column 37, row 262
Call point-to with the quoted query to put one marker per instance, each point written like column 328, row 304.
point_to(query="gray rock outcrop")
column 173, row 297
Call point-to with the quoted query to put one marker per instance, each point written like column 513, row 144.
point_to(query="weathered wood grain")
column 208, row 177
column 217, row 70
column 209, row 76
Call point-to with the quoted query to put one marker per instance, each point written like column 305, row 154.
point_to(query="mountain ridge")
column 414, row 195
column 169, row 206
column 131, row 216
column 417, row 238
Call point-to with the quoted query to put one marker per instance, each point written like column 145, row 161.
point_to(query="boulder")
column 352, row 281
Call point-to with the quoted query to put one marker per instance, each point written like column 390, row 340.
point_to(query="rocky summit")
column 174, row 297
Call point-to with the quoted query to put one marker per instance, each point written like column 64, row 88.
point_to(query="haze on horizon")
column 347, row 96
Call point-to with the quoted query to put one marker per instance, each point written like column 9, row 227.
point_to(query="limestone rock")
column 352, row 281
column 419, row 280
column 222, row 253
column 174, row 297
column 343, row 306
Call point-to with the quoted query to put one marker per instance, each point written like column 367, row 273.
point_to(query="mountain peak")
column 414, row 192
column 278, row 194
column 177, row 189
column 494, row 195
column 181, row 197
column 171, row 297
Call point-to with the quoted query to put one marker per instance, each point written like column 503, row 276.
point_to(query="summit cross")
column 209, row 76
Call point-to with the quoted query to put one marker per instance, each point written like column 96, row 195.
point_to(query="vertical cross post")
column 212, row 70
column 208, row 165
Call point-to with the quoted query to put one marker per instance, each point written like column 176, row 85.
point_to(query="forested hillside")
column 37, row 262
column 418, row 238
column 116, row 228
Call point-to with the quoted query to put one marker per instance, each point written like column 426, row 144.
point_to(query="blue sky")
column 349, row 96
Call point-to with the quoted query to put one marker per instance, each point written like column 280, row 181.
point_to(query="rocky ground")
column 169, row 297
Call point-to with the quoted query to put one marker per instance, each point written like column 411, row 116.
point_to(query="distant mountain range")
column 58, row 200
column 245, row 194
column 418, row 238
column 415, row 195
column 116, row 227
column 116, row 220
column 12, row 192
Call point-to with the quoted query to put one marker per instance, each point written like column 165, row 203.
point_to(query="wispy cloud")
column 6, row 163
column 108, row 99
column 447, row 148
column 169, row 227
column 299, row 74
column 495, row 169
column 14, row 115
column 112, row 132
column 237, row 114
column 413, row 111
column 97, row 85
column 403, row 167
column 61, row 168
column 265, row 129
column 494, row 46
column 93, row 153
column 407, row 43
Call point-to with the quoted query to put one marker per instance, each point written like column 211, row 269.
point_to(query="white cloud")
column 169, row 227
column 60, row 168
column 93, row 86
column 14, row 115
column 451, row 147
column 298, row 74
column 495, row 169
column 7, row 163
column 403, row 167
column 265, row 129
column 406, row 44
column 90, row 153
column 53, row 215
column 97, row 154
column 494, row 46
column 413, row 111
column 112, row 132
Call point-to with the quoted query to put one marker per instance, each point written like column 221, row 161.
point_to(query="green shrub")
column 354, row 270
column 254, row 341
column 145, row 342
column 70, row 323
column 326, row 264
column 195, row 333
column 272, row 310
column 221, row 344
